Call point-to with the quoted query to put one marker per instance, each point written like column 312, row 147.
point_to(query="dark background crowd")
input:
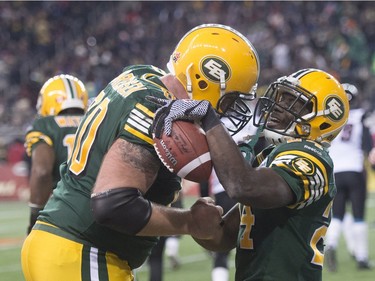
column 95, row 40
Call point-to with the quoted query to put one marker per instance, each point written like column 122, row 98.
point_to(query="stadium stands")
column 95, row 40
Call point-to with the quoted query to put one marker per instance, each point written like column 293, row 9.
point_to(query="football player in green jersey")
column 112, row 202
column 61, row 103
column 285, row 195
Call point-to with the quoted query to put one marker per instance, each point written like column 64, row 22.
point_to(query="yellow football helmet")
column 212, row 61
column 322, row 110
column 59, row 93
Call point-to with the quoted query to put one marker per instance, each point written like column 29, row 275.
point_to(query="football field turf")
column 195, row 262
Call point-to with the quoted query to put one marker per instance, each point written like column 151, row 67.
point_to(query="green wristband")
column 210, row 120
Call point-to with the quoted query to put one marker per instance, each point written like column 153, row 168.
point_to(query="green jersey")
column 56, row 131
column 119, row 111
column 287, row 243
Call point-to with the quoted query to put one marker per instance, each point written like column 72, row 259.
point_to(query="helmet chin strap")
column 278, row 138
column 223, row 85
column 274, row 137
column 189, row 84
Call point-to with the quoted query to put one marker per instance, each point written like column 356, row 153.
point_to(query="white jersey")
column 215, row 184
column 346, row 149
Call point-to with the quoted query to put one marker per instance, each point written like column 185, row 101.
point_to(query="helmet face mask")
column 235, row 107
column 214, row 60
column 296, row 108
column 312, row 100
column 60, row 93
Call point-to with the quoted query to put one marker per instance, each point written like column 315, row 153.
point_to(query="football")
column 185, row 152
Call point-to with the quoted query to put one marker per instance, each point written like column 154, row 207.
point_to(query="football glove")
column 182, row 109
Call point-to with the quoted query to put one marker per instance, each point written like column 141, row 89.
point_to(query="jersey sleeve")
column 306, row 172
column 37, row 134
column 140, row 83
column 137, row 125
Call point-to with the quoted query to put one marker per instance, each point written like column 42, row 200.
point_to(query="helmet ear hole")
column 324, row 126
column 202, row 85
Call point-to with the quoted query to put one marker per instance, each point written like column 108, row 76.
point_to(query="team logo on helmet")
column 214, row 67
column 336, row 108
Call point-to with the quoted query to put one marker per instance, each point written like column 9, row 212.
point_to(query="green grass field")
column 196, row 263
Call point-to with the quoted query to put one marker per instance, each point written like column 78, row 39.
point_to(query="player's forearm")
column 166, row 221
column 230, row 166
column 202, row 220
column 40, row 191
column 41, row 187
column 41, row 178
column 259, row 187
column 126, row 210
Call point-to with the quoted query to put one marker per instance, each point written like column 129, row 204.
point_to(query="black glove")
column 183, row 109
column 34, row 213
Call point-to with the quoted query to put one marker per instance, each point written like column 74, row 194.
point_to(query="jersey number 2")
column 248, row 220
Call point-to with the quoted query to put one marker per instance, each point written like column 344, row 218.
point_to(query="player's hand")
column 171, row 110
column 206, row 218
column 34, row 213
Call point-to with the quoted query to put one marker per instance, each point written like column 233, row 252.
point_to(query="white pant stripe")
column 94, row 266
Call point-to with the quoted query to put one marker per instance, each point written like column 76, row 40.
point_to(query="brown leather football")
column 185, row 152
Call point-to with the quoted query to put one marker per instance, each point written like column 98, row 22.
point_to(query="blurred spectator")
column 15, row 152
column 3, row 151
column 39, row 39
